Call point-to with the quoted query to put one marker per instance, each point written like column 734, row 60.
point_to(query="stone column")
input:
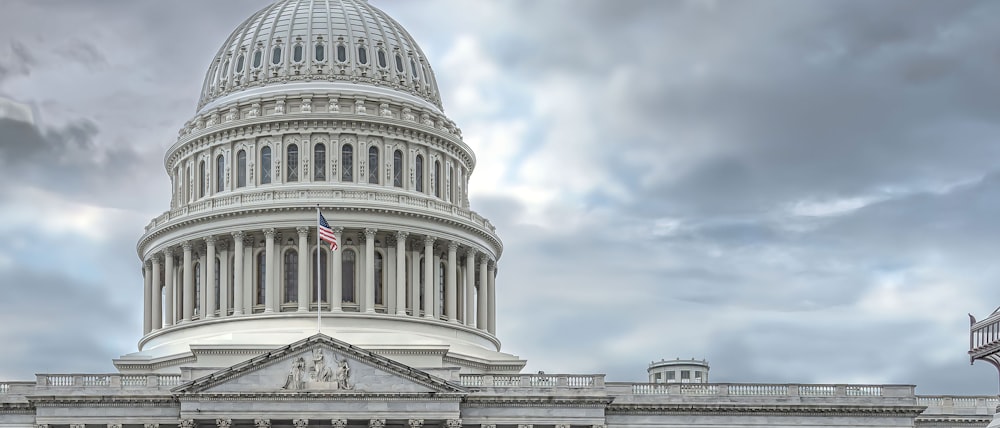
column 470, row 287
column 428, row 277
column 157, row 288
column 269, row 300
column 169, row 311
column 401, row 273
column 224, row 277
column 208, row 287
column 238, row 273
column 188, row 308
column 438, row 287
column 249, row 288
column 203, row 299
column 482, row 297
column 336, row 276
column 414, row 255
column 147, row 298
column 303, row 269
column 370, row 270
column 491, row 293
column 451, row 291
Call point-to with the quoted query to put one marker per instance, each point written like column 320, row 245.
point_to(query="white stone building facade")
column 250, row 321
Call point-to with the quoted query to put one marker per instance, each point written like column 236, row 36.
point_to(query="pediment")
column 319, row 364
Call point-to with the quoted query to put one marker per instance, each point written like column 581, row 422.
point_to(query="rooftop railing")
column 759, row 390
column 533, row 381
column 113, row 381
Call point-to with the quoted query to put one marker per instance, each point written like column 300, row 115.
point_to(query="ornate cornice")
column 506, row 401
column 113, row 401
column 17, row 409
column 324, row 396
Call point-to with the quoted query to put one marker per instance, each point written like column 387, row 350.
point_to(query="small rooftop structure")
column 678, row 371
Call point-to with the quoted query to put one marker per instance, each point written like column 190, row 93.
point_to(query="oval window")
column 258, row 56
column 381, row 58
column 239, row 63
column 297, row 53
column 399, row 63
column 413, row 68
column 320, row 53
column 341, row 53
column 276, row 55
column 362, row 55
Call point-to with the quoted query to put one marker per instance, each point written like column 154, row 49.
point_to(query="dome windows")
column 373, row 165
column 265, row 165
column 298, row 53
column 341, row 52
column 276, row 55
column 397, row 168
column 399, row 64
column 347, row 162
column 241, row 169
column 320, row 54
column 420, row 173
column 362, row 55
column 413, row 68
column 220, row 173
column 319, row 162
column 381, row 58
column 240, row 62
column 258, row 57
column 292, row 160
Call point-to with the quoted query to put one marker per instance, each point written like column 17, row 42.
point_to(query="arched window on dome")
column 427, row 79
column 258, row 58
column 397, row 168
column 341, row 52
column 381, row 58
column 373, row 165
column 291, row 277
column 319, row 162
column 399, row 63
column 298, row 53
column 437, row 178
column 260, row 283
column 419, row 175
column 241, row 168
column 292, row 162
column 320, row 52
column 220, row 173
column 322, row 277
column 240, row 62
column 379, row 280
column 347, row 163
column 265, row 165
column 217, row 281
column 348, row 276
column 362, row 55
column 201, row 179
column 197, row 289
column 413, row 68
column 276, row 55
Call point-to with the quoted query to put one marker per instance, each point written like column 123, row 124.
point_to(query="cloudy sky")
column 798, row 191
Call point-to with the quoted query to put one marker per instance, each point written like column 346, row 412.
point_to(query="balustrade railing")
column 106, row 381
column 532, row 381
column 962, row 402
column 4, row 388
column 761, row 390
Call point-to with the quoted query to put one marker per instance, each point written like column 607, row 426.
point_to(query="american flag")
column 326, row 234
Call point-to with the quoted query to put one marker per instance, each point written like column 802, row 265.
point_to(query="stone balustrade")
column 958, row 405
column 533, row 381
column 104, row 381
column 375, row 197
column 759, row 390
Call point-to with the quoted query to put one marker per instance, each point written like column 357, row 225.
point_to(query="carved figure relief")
column 408, row 115
column 279, row 107
column 307, row 106
column 296, row 377
column 231, row 114
column 317, row 375
column 384, row 110
column 334, row 106
column 359, row 107
column 254, row 110
column 426, row 120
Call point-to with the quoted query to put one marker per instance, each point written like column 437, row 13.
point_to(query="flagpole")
column 319, row 300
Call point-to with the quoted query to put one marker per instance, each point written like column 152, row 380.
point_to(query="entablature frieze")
column 104, row 401
column 546, row 401
column 314, row 396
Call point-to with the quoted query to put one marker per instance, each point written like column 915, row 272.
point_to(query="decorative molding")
column 338, row 423
column 262, row 423
column 224, row 422
column 376, row 423
column 413, row 423
column 300, row 423
column 186, row 423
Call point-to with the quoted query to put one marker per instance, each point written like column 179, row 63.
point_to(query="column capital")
column 452, row 423
column 300, row 423
column 186, row 245
column 429, row 240
column 210, row 240
column 370, row 234
column 151, row 426
column 303, row 231
column 156, row 259
column 224, row 422
column 185, row 423
column 42, row 426
column 376, row 423
column 338, row 423
column 262, row 423
column 148, row 263
column 222, row 245
column 239, row 235
column 452, row 245
column 471, row 252
column 492, row 265
column 401, row 236
column 77, row 425
column 415, row 423
column 336, row 230
column 168, row 252
column 269, row 234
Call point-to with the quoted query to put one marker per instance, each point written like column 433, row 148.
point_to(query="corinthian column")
column 188, row 308
column 370, row 270
column 428, row 277
column 157, row 317
column 482, row 295
column 452, row 290
column 491, row 293
column 169, row 311
column 208, row 286
column 238, row 273
column 401, row 273
column 303, row 268
column 147, row 298
column 224, row 276
column 269, row 300
column 470, row 287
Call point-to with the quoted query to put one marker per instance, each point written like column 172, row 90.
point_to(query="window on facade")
column 292, row 161
column 381, row 59
column 362, row 55
column 225, row 68
column 265, row 165
column 399, row 64
column 320, row 54
column 297, row 53
column 685, row 375
column 373, row 165
column 379, row 281
column 197, row 288
column 348, row 276
column 276, row 55
column 261, row 278
column 322, row 277
column 220, row 173
column 437, row 178
column 201, row 179
column 241, row 168
column 319, row 162
column 671, row 375
column 258, row 58
column 291, row 280
column 413, row 68
column 341, row 53
column 420, row 173
column 347, row 163
column 239, row 63
column 218, row 284
column 397, row 168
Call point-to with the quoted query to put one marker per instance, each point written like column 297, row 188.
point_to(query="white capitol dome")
column 326, row 103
